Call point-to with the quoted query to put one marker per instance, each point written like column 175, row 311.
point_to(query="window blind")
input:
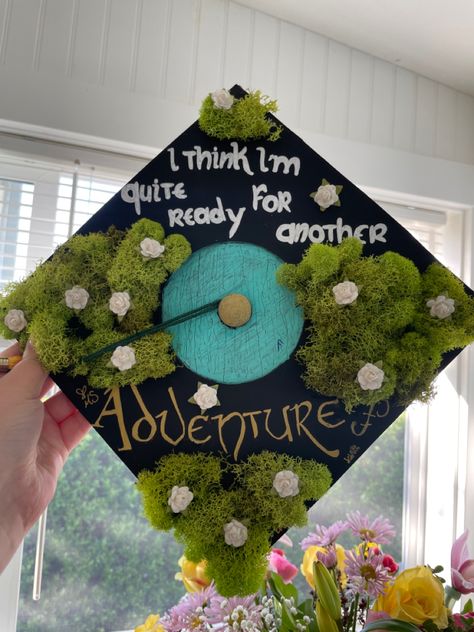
column 41, row 204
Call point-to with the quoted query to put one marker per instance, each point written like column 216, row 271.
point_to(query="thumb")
column 28, row 374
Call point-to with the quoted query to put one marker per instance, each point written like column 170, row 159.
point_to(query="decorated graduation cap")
column 239, row 323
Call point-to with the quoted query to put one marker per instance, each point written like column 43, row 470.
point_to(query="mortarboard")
column 299, row 320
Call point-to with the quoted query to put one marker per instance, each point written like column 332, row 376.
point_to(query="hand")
column 35, row 440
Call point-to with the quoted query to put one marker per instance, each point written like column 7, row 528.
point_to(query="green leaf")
column 339, row 188
column 467, row 607
column 307, row 608
column 324, row 182
column 338, row 203
column 281, row 589
column 391, row 625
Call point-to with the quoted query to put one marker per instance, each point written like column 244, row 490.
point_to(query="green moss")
column 380, row 326
column 200, row 472
column 246, row 120
column 223, row 491
column 101, row 264
column 49, row 332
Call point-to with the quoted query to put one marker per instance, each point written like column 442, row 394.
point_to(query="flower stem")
column 451, row 596
column 354, row 614
column 194, row 313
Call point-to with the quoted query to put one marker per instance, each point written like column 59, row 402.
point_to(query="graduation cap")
column 239, row 323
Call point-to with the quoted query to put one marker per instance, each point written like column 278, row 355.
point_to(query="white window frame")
column 419, row 508
column 438, row 492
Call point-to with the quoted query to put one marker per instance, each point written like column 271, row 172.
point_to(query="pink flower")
column 328, row 557
column 376, row 616
column 390, row 564
column 235, row 613
column 379, row 530
column 462, row 568
column 366, row 573
column 278, row 563
column 463, row 621
column 324, row 536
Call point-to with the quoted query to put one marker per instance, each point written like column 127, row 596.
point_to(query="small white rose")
column 370, row 377
column 151, row 248
column 441, row 307
column 123, row 358
column 180, row 498
column 286, row 483
column 77, row 297
column 15, row 320
column 206, row 397
column 235, row 533
column 222, row 99
column 345, row 292
column 119, row 303
column 326, row 196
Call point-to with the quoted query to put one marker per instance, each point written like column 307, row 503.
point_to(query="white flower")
column 77, row 297
column 326, row 196
column 180, row 498
column 285, row 483
column 441, row 307
column 15, row 320
column 370, row 377
column 235, row 533
column 123, row 358
column 345, row 292
column 151, row 248
column 222, row 99
column 119, row 303
column 206, row 397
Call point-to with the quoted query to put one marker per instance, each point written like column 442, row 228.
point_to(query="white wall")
column 136, row 70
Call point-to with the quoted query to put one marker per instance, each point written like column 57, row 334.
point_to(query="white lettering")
column 205, row 215
column 136, row 193
column 298, row 233
column 270, row 203
column 173, row 165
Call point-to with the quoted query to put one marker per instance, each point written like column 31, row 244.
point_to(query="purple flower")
column 191, row 613
column 366, row 573
column 328, row 557
column 462, row 568
column 324, row 536
column 236, row 614
column 379, row 530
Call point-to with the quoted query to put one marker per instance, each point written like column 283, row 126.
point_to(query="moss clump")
column 224, row 491
column 388, row 325
column 101, row 264
column 245, row 120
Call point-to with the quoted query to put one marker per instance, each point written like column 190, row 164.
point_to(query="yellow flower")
column 416, row 595
column 359, row 548
column 151, row 625
column 310, row 556
column 192, row 575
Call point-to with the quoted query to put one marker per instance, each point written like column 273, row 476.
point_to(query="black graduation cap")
column 300, row 320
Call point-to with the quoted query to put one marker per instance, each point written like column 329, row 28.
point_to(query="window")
column 104, row 568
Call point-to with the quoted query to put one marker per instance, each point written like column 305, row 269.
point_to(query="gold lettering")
column 221, row 422
column 370, row 414
column 147, row 417
column 322, row 416
column 253, row 421
column 286, row 433
column 116, row 411
column 300, row 426
column 164, row 416
column 192, row 429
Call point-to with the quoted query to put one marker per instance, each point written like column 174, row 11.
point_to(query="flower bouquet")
column 360, row 588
